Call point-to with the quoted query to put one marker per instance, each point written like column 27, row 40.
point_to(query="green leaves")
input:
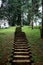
column 15, row 7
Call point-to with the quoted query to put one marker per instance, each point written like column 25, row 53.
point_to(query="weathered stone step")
column 20, row 47
column 20, row 42
column 21, row 57
column 20, row 38
column 22, row 53
column 22, row 50
column 20, row 34
column 21, row 61
column 24, row 56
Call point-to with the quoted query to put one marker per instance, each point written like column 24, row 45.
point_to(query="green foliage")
column 15, row 8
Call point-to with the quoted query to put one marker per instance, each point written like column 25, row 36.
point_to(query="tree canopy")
column 14, row 9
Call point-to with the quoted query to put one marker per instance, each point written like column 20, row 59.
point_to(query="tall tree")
column 35, row 7
column 19, row 12
column 42, row 22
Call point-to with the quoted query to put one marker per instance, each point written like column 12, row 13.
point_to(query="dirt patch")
column 38, row 63
column 39, row 54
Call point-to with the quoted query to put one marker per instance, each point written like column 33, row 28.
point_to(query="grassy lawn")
column 35, row 42
column 7, row 39
column 6, row 43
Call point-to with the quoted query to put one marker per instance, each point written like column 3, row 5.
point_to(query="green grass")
column 6, row 42
column 7, row 30
column 33, row 36
column 35, row 42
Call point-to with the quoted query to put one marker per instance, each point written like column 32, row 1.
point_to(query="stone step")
column 21, row 61
column 24, row 56
column 18, row 35
column 20, row 47
column 20, row 50
column 20, row 38
column 21, row 57
column 21, row 33
column 22, row 53
column 20, row 42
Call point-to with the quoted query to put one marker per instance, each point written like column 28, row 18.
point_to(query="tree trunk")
column 42, row 22
column 19, row 19
column 19, row 13
column 32, row 24
column 42, row 29
column 32, row 12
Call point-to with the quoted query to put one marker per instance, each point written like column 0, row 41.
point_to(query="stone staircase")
column 21, row 50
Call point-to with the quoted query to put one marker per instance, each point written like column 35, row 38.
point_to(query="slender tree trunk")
column 42, row 22
column 42, row 29
column 19, row 12
column 19, row 18
column 32, row 24
column 32, row 12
